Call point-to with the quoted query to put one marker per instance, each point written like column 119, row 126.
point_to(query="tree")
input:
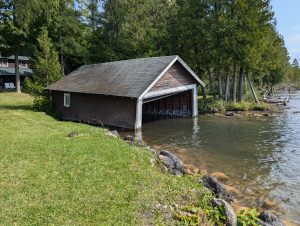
column 295, row 63
column 16, row 17
column 46, row 69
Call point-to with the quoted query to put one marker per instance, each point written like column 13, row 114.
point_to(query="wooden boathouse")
column 126, row 93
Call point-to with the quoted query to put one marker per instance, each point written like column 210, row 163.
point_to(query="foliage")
column 16, row 17
column 246, row 106
column 47, row 71
column 248, row 217
column 211, row 105
column 220, row 40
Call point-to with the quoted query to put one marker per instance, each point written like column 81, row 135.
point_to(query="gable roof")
column 127, row 78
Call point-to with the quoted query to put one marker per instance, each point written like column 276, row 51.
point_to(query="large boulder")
column 231, row 217
column 172, row 162
column 270, row 219
column 218, row 188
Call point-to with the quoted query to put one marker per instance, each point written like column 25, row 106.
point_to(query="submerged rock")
column 229, row 113
column 191, row 170
column 220, row 176
column 172, row 162
column 218, row 188
column 270, row 219
column 229, row 211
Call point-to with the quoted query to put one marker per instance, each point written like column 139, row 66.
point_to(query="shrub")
column 42, row 103
column 211, row 105
column 248, row 217
column 246, row 106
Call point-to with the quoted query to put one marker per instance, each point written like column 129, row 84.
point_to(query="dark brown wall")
column 178, row 102
column 111, row 111
column 176, row 76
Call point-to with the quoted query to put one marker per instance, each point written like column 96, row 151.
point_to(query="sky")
column 287, row 14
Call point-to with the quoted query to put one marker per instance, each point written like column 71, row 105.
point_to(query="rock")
column 266, row 115
column 233, row 191
column 217, row 188
column 203, row 171
column 152, row 161
column 129, row 138
column 229, row 113
column 74, row 134
column 167, row 161
column 270, row 219
column 268, row 204
column 152, row 150
column 236, row 206
column 229, row 211
column 113, row 133
column 173, row 163
column 220, row 176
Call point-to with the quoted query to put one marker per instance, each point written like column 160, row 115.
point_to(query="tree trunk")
column 203, row 90
column 235, row 79
column 227, row 92
column 211, row 82
column 220, row 85
column 17, row 71
column 62, row 62
column 252, row 89
column 241, row 85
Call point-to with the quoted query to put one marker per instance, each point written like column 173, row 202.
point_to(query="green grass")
column 213, row 105
column 48, row 178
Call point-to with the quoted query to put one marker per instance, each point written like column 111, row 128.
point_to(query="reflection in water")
column 260, row 155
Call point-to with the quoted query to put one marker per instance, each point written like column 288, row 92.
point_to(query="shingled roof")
column 127, row 78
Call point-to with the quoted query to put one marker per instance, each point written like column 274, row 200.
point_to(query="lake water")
column 260, row 155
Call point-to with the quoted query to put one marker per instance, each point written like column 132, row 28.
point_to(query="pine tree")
column 295, row 63
column 46, row 70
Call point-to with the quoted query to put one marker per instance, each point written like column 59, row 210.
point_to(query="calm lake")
column 260, row 155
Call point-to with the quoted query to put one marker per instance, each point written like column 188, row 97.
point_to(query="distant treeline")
column 226, row 42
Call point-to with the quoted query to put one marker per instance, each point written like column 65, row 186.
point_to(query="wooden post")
column 195, row 101
column 138, row 116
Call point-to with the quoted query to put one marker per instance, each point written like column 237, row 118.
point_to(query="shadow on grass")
column 16, row 107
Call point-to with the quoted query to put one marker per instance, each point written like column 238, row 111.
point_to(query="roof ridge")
column 133, row 59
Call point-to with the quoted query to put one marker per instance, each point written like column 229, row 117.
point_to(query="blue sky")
column 287, row 13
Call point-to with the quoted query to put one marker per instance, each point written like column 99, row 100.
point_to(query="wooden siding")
column 178, row 105
column 176, row 76
column 97, row 109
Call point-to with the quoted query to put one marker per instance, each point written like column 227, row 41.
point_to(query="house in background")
column 7, row 71
column 125, row 93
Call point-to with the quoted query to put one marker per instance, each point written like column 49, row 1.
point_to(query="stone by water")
column 261, row 155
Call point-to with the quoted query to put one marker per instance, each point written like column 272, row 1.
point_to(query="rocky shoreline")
column 225, row 196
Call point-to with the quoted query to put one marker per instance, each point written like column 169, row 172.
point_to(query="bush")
column 246, row 106
column 211, row 105
column 42, row 103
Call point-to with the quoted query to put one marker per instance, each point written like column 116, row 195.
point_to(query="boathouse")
column 126, row 93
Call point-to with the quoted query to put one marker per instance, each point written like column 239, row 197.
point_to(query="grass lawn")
column 48, row 178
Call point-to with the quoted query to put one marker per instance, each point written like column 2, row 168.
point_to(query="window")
column 3, row 63
column 22, row 64
column 67, row 100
